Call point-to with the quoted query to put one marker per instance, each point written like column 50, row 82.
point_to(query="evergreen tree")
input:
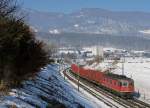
column 21, row 55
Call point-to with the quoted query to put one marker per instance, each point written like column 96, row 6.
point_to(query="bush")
column 21, row 55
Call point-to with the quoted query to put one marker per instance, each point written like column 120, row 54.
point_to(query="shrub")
column 21, row 55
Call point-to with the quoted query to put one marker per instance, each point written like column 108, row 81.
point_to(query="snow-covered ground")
column 48, row 87
column 93, row 101
column 137, row 69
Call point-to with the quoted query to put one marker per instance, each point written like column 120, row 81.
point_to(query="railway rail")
column 103, row 95
column 98, row 96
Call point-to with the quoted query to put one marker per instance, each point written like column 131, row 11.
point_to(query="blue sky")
column 73, row 5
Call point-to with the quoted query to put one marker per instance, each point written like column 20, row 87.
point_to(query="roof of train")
column 114, row 76
column 120, row 77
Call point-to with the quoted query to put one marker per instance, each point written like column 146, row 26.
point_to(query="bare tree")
column 8, row 7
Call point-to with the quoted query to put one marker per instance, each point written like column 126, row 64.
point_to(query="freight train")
column 117, row 84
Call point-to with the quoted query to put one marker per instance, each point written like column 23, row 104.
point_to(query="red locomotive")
column 118, row 84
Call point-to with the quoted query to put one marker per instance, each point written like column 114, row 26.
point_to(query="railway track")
column 104, row 95
column 95, row 94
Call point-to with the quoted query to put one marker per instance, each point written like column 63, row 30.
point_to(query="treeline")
column 83, row 39
column 21, row 55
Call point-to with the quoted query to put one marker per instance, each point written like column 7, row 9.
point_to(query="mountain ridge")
column 91, row 20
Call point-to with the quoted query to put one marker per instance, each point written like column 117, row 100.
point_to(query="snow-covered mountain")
column 90, row 20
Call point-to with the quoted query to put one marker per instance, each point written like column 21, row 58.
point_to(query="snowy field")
column 50, row 85
column 137, row 69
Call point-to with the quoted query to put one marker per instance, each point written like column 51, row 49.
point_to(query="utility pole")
column 123, row 61
column 77, row 62
column 64, row 70
column 78, row 76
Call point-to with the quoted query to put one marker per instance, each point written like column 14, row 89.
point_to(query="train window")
column 125, row 84
column 119, row 84
column 115, row 83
